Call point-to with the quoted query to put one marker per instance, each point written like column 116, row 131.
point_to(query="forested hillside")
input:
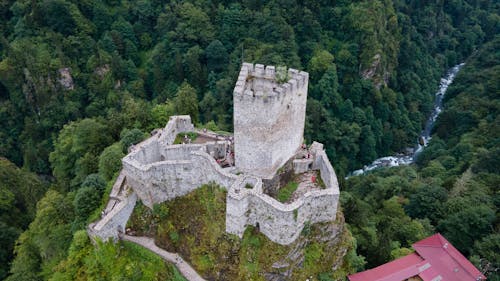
column 82, row 80
column 453, row 189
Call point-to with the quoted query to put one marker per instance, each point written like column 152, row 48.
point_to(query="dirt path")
column 186, row 270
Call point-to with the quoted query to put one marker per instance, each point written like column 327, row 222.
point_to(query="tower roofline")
column 296, row 80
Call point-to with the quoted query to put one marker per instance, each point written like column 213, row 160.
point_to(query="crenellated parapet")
column 269, row 117
column 264, row 81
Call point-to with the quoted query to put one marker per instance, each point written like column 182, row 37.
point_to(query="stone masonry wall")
column 268, row 118
column 281, row 223
column 176, row 124
column 115, row 220
column 165, row 180
column 158, row 171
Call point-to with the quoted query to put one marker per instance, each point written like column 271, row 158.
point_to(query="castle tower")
column 269, row 118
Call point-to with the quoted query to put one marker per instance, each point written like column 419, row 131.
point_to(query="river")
column 425, row 135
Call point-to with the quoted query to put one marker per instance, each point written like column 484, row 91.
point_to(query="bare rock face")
column 101, row 71
column 331, row 235
column 376, row 72
column 65, row 78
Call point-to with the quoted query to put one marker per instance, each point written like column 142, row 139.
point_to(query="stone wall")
column 176, row 124
column 114, row 221
column 158, row 172
column 281, row 223
column 165, row 180
column 268, row 118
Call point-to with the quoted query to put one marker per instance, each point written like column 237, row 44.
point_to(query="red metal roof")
column 435, row 260
column 397, row 270
column 446, row 260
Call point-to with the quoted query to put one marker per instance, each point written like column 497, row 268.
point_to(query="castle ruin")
column 264, row 153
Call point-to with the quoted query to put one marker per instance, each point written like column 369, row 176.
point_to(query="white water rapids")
column 425, row 136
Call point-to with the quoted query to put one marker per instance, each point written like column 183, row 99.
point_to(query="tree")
column 95, row 181
column 47, row 238
column 160, row 114
column 110, row 161
column 326, row 90
column 130, row 137
column 217, row 56
column 194, row 26
column 76, row 151
column 319, row 63
column 56, row 15
column 8, row 236
column 465, row 226
column 367, row 150
column 19, row 192
column 186, row 102
column 427, row 202
column 87, row 199
column 488, row 250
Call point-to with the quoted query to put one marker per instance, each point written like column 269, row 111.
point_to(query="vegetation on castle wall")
column 194, row 227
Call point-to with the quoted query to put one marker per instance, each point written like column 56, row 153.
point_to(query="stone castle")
column 265, row 153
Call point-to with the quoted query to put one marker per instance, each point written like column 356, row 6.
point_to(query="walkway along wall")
column 115, row 216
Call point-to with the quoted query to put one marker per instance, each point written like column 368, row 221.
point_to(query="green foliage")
column 194, row 227
column 181, row 138
column 374, row 66
column 110, row 161
column 450, row 190
column 160, row 114
column 282, row 74
column 87, row 199
column 56, row 15
column 464, row 227
column 110, row 261
column 320, row 63
column 130, row 137
column 45, row 242
column 19, row 192
column 285, row 192
column 185, row 101
column 77, row 150
column 217, row 56
column 427, row 202
column 487, row 250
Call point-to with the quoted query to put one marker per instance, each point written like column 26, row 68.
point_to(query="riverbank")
column 425, row 136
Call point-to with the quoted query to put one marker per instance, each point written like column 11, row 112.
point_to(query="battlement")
column 265, row 81
column 269, row 116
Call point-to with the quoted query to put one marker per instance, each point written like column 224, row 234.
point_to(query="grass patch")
column 285, row 192
column 180, row 137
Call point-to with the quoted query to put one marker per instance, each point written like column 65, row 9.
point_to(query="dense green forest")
column 454, row 186
column 82, row 80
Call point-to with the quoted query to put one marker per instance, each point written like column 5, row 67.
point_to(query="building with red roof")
column 435, row 259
